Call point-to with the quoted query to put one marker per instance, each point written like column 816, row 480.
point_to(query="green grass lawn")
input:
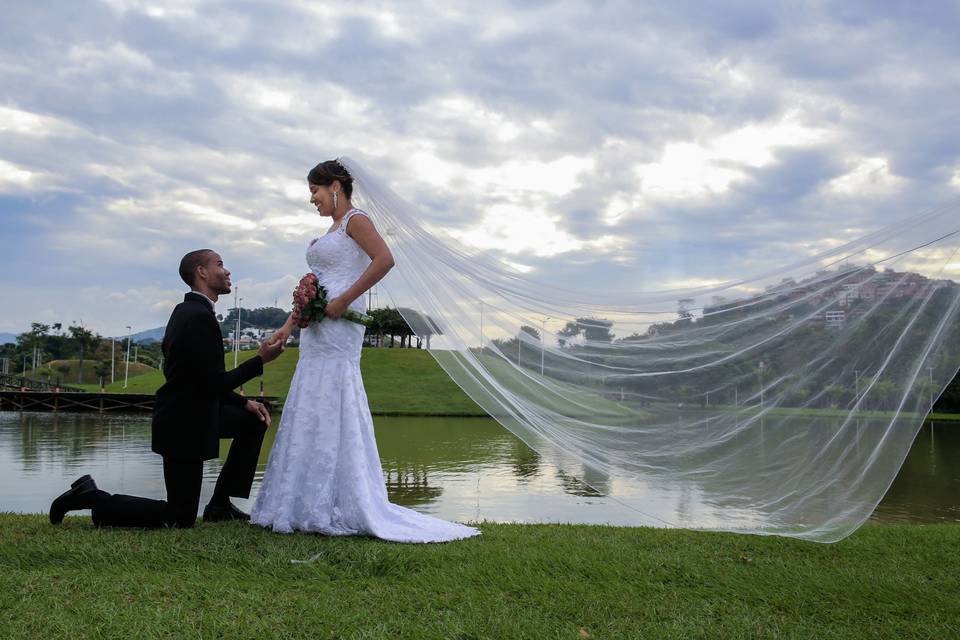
column 67, row 372
column 398, row 382
column 410, row 382
column 515, row 581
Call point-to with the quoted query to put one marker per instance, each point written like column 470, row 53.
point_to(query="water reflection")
column 462, row 469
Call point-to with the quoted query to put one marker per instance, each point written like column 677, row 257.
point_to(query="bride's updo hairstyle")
column 326, row 172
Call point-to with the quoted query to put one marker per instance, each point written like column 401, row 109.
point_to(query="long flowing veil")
column 782, row 402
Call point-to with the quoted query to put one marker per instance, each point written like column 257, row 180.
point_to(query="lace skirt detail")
column 324, row 473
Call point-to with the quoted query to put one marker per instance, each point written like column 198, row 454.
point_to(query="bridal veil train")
column 777, row 402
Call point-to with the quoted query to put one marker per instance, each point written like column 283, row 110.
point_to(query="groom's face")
column 215, row 274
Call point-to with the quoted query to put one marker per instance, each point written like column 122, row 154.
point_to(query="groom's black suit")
column 193, row 410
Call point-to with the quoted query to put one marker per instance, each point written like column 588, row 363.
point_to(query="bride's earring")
column 334, row 200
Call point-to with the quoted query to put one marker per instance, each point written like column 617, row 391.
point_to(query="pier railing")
column 89, row 401
column 10, row 381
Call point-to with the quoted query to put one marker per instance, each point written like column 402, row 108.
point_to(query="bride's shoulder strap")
column 350, row 214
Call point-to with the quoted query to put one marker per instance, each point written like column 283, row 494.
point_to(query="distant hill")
column 6, row 338
column 143, row 337
column 261, row 318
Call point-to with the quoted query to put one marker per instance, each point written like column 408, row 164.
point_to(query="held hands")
column 261, row 411
column 336, row 307
column 270, row 350
column 280, row 336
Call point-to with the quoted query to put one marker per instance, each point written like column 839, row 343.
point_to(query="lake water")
column 464, row 469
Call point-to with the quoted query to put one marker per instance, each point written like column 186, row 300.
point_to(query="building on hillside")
column 834, row 318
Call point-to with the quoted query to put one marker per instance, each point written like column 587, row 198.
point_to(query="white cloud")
column 867, row 176
column 19, row 121
column 695, row 169
column 168, row 9
column 90, row 57
column 519, row 230
column 14, row 178
column 463, row 111
column 510, row 179
column 205, row 213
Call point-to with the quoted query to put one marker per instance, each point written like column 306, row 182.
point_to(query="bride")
column 324, row 473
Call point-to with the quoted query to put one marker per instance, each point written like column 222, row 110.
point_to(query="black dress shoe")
column 213, row 513
column 76, row 497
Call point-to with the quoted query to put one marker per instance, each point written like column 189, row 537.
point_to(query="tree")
column 530, row 331
column 397, row 326
column 102, row 369
column 375, row 328
column 84, row 338
column 422, row 325
column 596, row 329
column 389, row 322
column 260, row 318
column 570, row 330
column 886, row 392
column 838, row 394
column 592, row 329
column 34, row 340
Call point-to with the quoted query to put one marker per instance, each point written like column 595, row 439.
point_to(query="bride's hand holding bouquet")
column 336, row 308
column 310, row 304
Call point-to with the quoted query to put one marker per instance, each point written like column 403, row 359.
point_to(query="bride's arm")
column 283, row 332
column 361, row 229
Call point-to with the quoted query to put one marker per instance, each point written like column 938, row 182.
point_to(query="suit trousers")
column 184, row 479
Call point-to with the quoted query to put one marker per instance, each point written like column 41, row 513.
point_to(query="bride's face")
column 322, row 198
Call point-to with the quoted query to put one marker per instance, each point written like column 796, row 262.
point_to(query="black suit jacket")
column 186, row 414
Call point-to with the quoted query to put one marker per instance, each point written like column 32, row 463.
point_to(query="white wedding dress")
column 324, row 473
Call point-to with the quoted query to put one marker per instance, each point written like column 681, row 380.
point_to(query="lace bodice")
column 338, row 261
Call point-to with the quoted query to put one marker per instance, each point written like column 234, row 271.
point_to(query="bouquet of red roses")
column 310, row 302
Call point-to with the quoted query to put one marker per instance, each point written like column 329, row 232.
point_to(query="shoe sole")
column 79, row 481
column 82, row 480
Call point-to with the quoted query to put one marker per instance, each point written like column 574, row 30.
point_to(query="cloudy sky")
column 606, row 141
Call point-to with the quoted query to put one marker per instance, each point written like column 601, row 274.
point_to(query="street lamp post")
column 113, row 348
column 543, row 346
column 80, row 340
column 126, row 371
column 236, row 336
column 761, row 385
column 236, row 330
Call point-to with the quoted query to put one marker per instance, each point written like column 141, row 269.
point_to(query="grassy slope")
column 515, row 581
column 398, row 381
column 90, row 378
column 404, row 381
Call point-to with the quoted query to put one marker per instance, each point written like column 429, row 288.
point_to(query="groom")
column 193, row 410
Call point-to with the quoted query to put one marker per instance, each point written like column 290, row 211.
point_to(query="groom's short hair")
column 190, row 262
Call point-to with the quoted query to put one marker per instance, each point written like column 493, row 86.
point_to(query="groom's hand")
column 270, row 350
column 261, row 411
column 279, row 336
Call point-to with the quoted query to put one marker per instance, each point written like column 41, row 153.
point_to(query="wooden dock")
column 9, row 381
column 89, row 401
